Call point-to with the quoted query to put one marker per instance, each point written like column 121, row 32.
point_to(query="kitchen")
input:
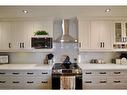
column 98, row 47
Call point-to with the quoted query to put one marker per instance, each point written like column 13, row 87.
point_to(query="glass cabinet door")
column 118, row 32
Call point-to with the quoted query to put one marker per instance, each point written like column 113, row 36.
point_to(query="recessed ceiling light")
column 108, row 10
column 25, row 11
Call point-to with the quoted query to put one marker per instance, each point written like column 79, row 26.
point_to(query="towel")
column 67, row 82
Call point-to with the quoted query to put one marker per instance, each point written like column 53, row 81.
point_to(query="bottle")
column 46, row 60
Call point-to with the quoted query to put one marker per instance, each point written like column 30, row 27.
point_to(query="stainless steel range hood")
column 65, row 37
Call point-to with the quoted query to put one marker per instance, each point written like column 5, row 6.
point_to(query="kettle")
column 67, row 62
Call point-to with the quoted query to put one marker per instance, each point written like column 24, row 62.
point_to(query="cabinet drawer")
column 37, row 83
column 95, row 79
column 25, row 83
column 25, row 73
column 89, row 72
column 117, row 73
column 96, row 72
column 37, row 73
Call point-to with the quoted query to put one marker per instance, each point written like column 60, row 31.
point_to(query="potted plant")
column 40, row 33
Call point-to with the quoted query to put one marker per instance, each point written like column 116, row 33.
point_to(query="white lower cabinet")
column 100, row 79
column 27, row 79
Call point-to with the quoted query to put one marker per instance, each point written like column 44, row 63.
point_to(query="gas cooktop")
column 59, row 68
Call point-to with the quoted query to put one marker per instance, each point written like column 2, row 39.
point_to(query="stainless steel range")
column 59, row 70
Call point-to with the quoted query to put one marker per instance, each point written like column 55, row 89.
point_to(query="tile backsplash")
column 106, row 56
column 38, row 58
column 27, row 58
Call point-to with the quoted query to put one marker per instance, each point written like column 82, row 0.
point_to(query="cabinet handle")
column 88, row 81
column 103, row 44
column 116, row 81
column 16, row 82
column 103, row 81
column 2, row 73
column 44, row 82
column 117, row 72
column 100, row 44
column 2, row 81
column 15, row 73
column 30, row 82
column 102, row 73
column 88, row 73
column 9, row 45
column 44, row 72
column 30, row 73
column 22, row 45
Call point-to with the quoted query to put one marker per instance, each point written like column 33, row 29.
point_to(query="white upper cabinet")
column 46, row 25
column 84, row 35
column 21, row 35
column 16, row 35
column 5, row 34
column 101, row 35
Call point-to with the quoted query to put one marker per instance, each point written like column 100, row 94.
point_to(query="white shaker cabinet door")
column 95, row 42
column 5, row 33
column 84, row 35
column 106, row 34
column 101, row 35
column 28, row 32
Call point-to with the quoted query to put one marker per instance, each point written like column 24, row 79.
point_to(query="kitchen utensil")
column 67, row 62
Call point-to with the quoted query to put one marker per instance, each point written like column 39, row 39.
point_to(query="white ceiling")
column 61, row 11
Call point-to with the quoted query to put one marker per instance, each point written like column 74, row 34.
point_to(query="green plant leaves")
column 40, row 32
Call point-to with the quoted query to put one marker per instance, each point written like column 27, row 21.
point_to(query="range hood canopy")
column 65, row 37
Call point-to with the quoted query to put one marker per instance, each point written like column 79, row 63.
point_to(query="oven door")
column 56, row 81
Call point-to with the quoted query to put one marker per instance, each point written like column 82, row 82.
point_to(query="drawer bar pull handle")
column 16, row 82
column 102, row 72
column 30, row 73
column 2, row 81
column 88, row 81
column 44, row 82
column 103, row 81
column 88, row 73
column 2, row 73
column 116, row 72
column 116, row 81
column 15, row 73
column 44, row 72
column 30, row 82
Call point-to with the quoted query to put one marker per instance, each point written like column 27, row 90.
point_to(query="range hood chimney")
column 65, row 37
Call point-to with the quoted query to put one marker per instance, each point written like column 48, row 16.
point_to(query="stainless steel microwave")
column 41, row 42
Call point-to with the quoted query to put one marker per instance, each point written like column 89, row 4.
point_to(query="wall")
column 38, row 58
column 26, row 58
column 85, row 57
column 70, row 49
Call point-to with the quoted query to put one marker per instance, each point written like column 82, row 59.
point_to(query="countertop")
column 49, row 67
column 25, row 67
column 103, row 66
